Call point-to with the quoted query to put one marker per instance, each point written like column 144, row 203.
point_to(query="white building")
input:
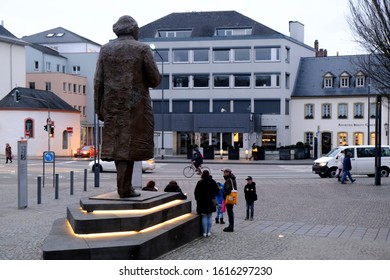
column 13, row 62
column 227, row 80
column 26, row 120
column 332, row 101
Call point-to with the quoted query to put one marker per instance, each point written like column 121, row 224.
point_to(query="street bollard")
column 85, row 180
column 39, row 190
column 56, row 186
column 71, row 182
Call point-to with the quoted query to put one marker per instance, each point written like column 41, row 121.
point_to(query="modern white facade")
column 224, row 85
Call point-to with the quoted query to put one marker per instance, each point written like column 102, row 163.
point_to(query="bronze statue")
column 124, row 72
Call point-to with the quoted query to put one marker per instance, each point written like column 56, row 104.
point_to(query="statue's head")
column 126, row 25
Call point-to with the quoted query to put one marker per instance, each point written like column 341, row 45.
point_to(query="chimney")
column 297, row 30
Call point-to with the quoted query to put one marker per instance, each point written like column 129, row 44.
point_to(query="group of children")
column 250, row 195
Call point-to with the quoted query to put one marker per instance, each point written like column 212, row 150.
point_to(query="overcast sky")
column 325, row 21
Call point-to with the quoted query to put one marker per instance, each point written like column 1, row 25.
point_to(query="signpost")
column 22, row 174
column 48, row 157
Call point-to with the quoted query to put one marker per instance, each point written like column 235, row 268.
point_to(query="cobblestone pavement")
column 294, row 219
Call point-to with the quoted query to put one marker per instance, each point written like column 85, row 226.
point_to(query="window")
column 233, row 31
column 328, row 80
column 358, row 138
column 287, row 107
column 36, row 65
column 164, row 55
column 76, row 69
column 79, row 90
column 287, row 80
column 372, row 110
column 326, row 111
column 360, row 80
column 180, row 81
column 75, row 88
column 241, row 55
column 29, row 128
column 174, row 33
column 344, row 80
column 222, row 55
column 84, row 89
column 31, row 85
column 47, row 86
column 342, row 139
column 309, row 136
column 58, row 68
column 221, row 81
column 180, row 56
column 242, row 80
column 84, row 111
column 287, row 54
column 48, row 66
column 201, row 55
column 343, row 111
column 267, row 80
column 358, row 111
column 309, row 111
column 69, row 87
column 64, row 86
column 65, row 140
column 201, row 81
column 267, row 54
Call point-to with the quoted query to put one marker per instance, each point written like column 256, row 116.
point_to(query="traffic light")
column 51, row 130
column 45, row 127
column 17, row 96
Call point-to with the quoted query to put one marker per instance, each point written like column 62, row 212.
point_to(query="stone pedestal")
column 107, row 227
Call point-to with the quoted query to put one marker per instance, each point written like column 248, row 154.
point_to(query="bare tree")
column 369, row 21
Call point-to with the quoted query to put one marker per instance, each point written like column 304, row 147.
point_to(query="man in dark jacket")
column 230, row 184
column 250, row 197
column 125, row 71
column 347, row 167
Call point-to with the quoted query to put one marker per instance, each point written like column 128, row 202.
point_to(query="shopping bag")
column 231, row 198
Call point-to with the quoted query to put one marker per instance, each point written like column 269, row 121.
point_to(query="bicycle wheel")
column 188, row 171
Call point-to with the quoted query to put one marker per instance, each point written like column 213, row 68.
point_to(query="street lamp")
column 368, row 101
column 153, row 47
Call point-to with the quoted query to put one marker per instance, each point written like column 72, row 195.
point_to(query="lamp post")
column 368, row 101
column 153, row 47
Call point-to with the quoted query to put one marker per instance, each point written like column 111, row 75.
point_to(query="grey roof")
column 203, row 24
column 46, row 50
column 67, row 37
column 310, row 76
column 35, row 99
column 5, row 32
column 6, row 36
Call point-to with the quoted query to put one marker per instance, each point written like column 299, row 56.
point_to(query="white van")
column 363, row 161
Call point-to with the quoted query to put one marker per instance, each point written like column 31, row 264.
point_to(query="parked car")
column 363, row 161
column 109, row 166
column 85, row 151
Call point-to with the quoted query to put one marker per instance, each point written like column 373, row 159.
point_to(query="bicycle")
column 190, row 170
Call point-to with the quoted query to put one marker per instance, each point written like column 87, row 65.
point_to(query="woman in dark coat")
column 205, row 191
column 125, row 71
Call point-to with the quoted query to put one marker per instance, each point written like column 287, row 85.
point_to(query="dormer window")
column 233, row 31
column 328, row 80
column 360, row 78
column 49, row 35
column 173, row 33
column 344, row 80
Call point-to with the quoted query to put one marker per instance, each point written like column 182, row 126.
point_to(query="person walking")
column 340, row 159
column 347, row 167
column 8, row 153
column 230, row 184
column 205, row 191
column 250, row 197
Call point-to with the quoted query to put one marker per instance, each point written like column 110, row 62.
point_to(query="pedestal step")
column 107, row 227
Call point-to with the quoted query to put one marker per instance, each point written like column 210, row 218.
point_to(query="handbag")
column 232, row 197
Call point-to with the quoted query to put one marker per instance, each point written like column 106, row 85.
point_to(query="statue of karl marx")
column 124, row 72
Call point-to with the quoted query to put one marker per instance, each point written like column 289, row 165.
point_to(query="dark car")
column 86, row 151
